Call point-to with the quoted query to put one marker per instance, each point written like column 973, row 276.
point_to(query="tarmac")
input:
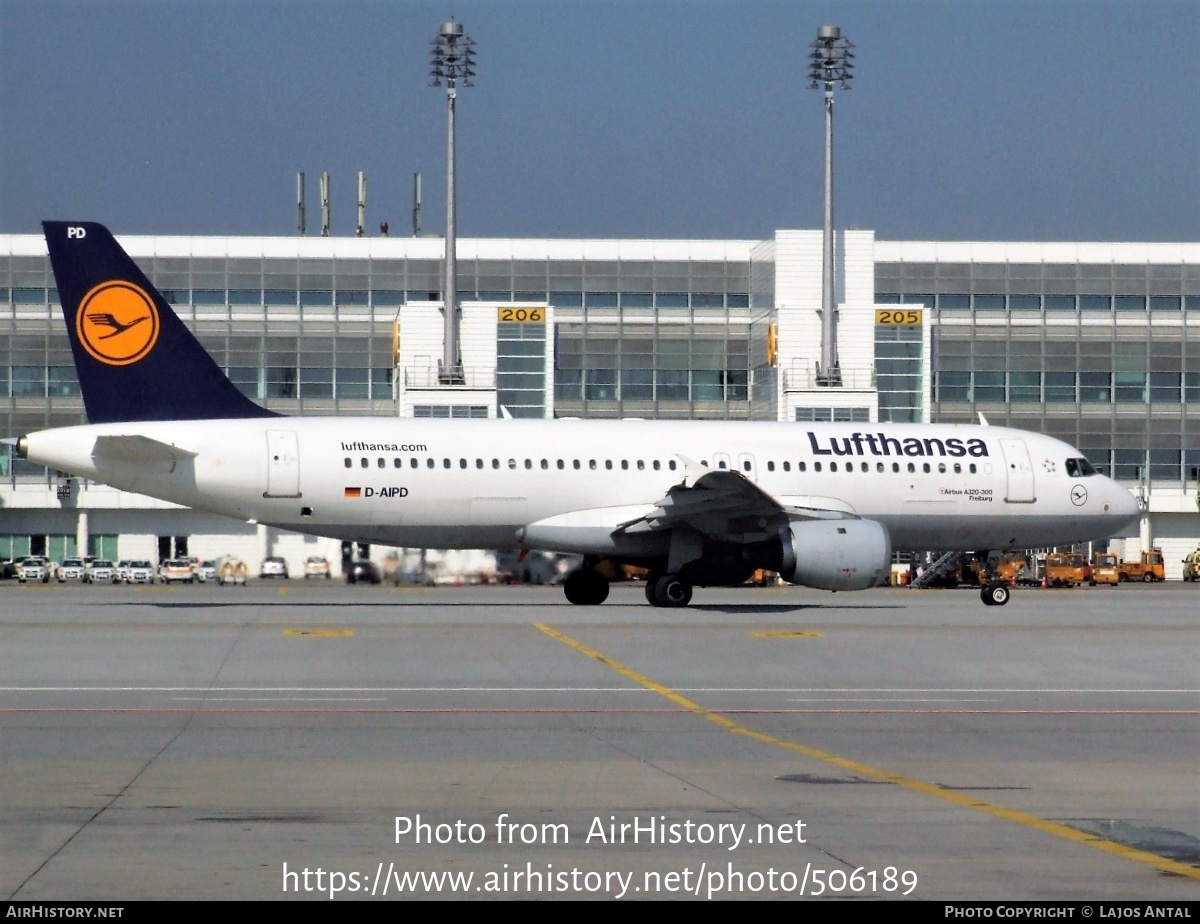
column 330, row 742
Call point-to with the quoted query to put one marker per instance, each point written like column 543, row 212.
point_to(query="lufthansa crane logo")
column 117, row 323
column 1078, row 495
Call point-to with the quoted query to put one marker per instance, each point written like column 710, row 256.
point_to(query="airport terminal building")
column 1097, row 344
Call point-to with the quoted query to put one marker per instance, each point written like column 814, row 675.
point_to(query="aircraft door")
column 283, row 464
column 1020, row 472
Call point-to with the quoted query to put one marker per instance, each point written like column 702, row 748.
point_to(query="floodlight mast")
column 453, row 61
column 831, row 62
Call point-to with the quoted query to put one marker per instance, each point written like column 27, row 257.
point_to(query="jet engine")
column 835, row 554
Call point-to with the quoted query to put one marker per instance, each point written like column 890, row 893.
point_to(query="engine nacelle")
column 836, row 554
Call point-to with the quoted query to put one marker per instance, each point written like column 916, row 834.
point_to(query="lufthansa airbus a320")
column 698, row 503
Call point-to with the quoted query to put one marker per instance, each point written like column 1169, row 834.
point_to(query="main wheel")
column 672, row 590
column 586, row 587
column 1147, row 578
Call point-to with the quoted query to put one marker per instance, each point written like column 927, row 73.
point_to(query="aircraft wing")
column 725, row 504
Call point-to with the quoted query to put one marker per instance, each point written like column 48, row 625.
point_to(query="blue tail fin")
column 136, row 360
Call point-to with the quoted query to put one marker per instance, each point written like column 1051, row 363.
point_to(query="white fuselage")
column 478, row 483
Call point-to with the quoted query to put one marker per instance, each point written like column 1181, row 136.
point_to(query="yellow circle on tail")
column 117, row 323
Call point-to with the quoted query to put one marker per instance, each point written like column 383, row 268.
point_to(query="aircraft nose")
column 1122, row 503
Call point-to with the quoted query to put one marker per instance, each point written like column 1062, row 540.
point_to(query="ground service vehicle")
column 1191, row 566
column 231, row 572
column 1066, row 569
column 1104, row 569
column 1148, row 568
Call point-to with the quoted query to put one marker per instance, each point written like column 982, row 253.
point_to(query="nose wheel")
column 995, row 594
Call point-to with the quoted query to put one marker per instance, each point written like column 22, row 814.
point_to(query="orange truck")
column 1066, row 569
column 1105, row 569
column 1148, row 568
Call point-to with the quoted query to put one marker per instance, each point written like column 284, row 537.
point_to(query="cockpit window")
column 1079, row 468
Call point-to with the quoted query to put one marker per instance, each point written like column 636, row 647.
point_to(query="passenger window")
column 545, row 464
column 865, row 467
column 746, row 465
column 671, row 465
column 462, row 463
column 445, row 463
column 879, row 466
column 641, row 465
column 365, row 463
column 770, row 466
column 972, row 468
column 349, row 464
column 608, row 464
column 576, row 464
column 941, row 468
column 957, row 469
column 624, row 465
column 529, row 463
column 911, row 468
column 926, row 468
column 479, row 463
column 656, row 465
column 429, row 463
column 802, row 467
column 895, row 466
column 592, row 464
column 816, row 466
column 495, row 463
column 787, row 466
column 561, row 464
column 832, row 466
column 382, row 462
column 396, row 463
column 512, row 463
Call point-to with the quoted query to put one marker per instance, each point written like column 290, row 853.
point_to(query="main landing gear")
column 995, row 594
column 668, row 590
column 586, row 587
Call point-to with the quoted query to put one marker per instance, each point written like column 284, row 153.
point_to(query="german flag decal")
column 354, row 492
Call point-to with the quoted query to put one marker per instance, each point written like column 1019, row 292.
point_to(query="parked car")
column 72, row 569
column 363, row 572
column 207, row 571
column 273, row 567
column 101, row 571
column 34, row 570
column 412, row 579
column 123, row 570
column 177, row 570
column 316, row 567
column 139, row 572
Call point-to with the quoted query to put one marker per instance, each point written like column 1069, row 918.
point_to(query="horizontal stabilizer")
column 138, row 449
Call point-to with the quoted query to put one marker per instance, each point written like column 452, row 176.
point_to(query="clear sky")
column 968, row 120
